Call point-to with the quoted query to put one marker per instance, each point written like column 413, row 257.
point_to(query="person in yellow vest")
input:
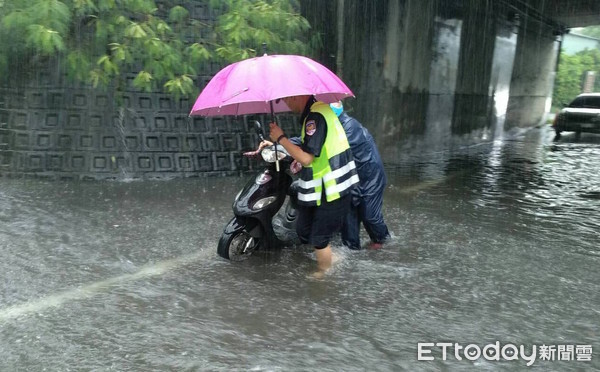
column 327, row 177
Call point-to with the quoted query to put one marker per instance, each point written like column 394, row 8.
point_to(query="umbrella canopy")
column 252, row 86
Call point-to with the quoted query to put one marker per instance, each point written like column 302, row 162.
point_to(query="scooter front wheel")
column 241, row 247
column 236, row 244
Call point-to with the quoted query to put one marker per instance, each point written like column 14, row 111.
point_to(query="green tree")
column 569, row 78
column 100, row 41
column 246, row 24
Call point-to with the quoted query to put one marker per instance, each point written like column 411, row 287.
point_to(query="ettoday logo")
column 473, row 352
column 496, row 352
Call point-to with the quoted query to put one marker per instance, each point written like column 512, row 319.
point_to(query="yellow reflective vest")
column 334, row 168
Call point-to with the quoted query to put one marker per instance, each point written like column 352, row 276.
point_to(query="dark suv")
column 581, row 115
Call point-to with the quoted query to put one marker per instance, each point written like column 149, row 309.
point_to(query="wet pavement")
column 495, row 242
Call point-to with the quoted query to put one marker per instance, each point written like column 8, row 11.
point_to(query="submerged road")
column 497, row 242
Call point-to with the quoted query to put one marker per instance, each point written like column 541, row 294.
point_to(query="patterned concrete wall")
column 52, row 128
column 81, row 133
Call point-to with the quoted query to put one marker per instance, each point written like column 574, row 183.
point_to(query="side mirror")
column 259, row 130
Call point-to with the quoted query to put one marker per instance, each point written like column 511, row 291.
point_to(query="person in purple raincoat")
column 367, row 198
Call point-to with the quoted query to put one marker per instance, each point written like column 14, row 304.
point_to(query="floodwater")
column 496, row 242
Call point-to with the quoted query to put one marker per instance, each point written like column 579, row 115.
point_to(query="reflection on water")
column 492, row 242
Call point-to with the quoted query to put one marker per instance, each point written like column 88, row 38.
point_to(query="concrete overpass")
column 561, row 13
column 568, row 13
column 419, row 67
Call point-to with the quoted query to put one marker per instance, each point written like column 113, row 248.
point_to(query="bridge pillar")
column 473, row 104
column 532, row 77
column 406, row 68
column 388, row 55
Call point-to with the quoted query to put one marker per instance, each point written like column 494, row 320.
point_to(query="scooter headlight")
column 263, row 178
column 268, row 154
column 261, row 203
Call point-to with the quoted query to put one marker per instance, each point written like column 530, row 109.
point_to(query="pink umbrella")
column 254, row 85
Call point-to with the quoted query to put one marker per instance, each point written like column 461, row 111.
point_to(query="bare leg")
column 323, row 260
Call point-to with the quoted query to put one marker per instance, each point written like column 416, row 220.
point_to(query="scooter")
column 256, row 224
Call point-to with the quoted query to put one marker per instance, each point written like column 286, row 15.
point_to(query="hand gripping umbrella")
column 255, row 85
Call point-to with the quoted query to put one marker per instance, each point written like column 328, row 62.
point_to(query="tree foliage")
column 246, row 24
column 101, row 41
column 571, row 70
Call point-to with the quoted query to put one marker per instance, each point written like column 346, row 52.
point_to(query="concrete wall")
column 81, row 133
column 473, row 99
column 532, row 77
column 387, row 62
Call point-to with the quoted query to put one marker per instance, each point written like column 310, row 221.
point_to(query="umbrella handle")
column 273, row 121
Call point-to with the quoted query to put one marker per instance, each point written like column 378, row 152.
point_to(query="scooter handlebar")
column 252, row 154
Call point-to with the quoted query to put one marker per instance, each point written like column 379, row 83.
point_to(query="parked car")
column 581, row 115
